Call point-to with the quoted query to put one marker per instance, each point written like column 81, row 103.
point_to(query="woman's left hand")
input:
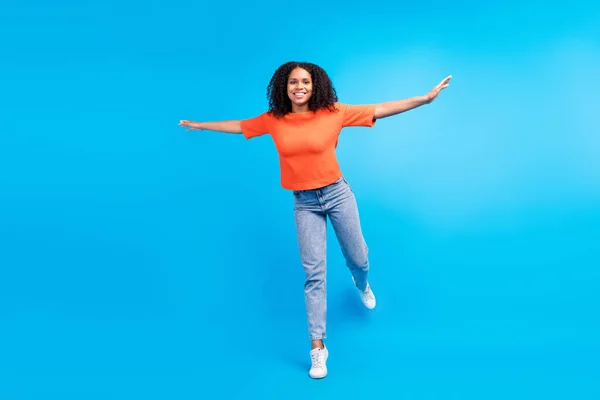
column 433, row 93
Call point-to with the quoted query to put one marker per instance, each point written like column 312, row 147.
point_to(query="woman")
column 304, row 120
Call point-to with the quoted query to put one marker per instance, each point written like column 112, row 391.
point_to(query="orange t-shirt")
column 306, row 142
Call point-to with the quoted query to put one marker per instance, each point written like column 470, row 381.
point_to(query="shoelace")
column 318, row 358
column 368, row 293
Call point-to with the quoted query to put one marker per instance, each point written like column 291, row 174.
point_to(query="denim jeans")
column 311, row 209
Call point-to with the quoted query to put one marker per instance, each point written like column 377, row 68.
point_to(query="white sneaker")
column 319, row 358
column 367, row 297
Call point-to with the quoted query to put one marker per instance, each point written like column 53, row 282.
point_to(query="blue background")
column 141, row 261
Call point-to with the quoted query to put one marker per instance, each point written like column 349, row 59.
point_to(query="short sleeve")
column 359, row 115
column 254, row 127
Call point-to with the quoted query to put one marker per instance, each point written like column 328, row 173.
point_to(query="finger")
column 443, row 82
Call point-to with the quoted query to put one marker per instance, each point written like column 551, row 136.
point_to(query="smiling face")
column 299, row 89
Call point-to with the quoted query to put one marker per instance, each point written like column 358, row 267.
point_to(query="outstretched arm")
column 232, row 126
column 390, row 108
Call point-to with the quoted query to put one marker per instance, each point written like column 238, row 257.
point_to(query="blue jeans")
column 311, row 209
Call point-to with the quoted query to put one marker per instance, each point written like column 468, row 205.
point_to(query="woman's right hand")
column 193, row 126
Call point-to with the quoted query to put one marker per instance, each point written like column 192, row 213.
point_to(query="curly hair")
column 323, row 95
